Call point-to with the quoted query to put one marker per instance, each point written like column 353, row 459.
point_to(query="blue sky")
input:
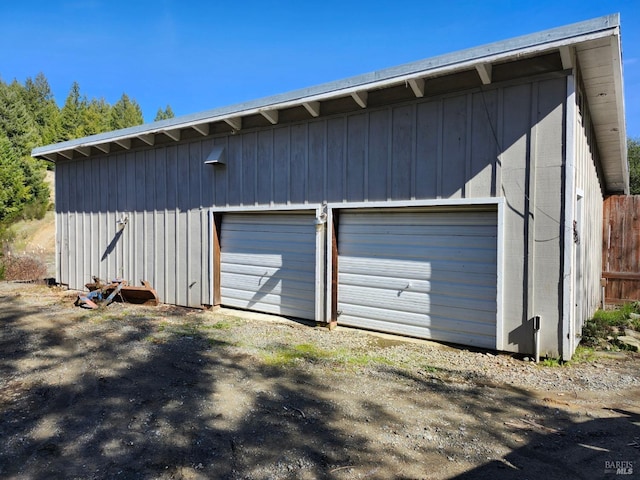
column 200, row 55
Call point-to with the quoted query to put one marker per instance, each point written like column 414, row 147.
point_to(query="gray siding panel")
column 546, row 227
column 481, row 182
column 298, row 164
column 265, row 167
column 454, row 148
column 378, row 164
column 427, row 146
column 317, row 156
column 402, row 152
column 281, row 163
column 221, row 187
column 336, row 150
column 356, row 146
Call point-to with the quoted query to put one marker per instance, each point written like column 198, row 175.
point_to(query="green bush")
column 607, row 325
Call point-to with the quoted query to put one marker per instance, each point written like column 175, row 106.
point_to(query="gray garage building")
column 457, row 198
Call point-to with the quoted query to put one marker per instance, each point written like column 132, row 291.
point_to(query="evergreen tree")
column 96, row 118
column 16, row 122
column 72, row 114
column 23, row 192
column 125, row 113
column 633, row 155
column 42, row 106
column 164, row 114
column 13, row 188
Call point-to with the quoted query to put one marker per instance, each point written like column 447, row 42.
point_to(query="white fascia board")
column 497, row 52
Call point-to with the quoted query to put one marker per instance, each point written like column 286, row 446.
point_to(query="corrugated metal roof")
column 608, row 116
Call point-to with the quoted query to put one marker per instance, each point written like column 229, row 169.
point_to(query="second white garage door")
column 267, row 263
column 425, row 274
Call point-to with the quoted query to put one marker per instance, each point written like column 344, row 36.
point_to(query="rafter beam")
column 85, row 151
column 124, row 143
column 172, row 134
column 566, row 57
column 484, row 71
column 104, row 147
column 417, row 85
column 271, row 115
column 361, row 98
column 68, row 154
column 202, row 129
column 313, row 108
column 235, row 122
column 148, row 138
column 52, row 157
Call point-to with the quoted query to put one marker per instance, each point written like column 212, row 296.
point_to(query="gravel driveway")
column 135, row 392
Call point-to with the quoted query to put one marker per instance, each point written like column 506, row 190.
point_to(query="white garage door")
column 267, row 263
column 425, row 274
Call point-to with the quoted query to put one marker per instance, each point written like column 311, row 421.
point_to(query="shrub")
column 22, row 268
column 606, row 325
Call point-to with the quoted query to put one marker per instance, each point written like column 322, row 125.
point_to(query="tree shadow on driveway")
column 103, row 395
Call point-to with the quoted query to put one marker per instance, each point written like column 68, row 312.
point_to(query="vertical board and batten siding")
column 474, row 144
column 590, row 224
column 268, row 263
column 167, row 235
column 421, row 273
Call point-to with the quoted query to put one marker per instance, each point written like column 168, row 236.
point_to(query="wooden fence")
column 621, row 248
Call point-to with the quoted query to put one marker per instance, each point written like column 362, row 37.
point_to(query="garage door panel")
column 417, row 302
column 294, row 261
column 384, row 219
column 438, row 320
column 429, row 232
column 267, row 263
column 268, row 303
column 456, row 255
column 427, row 274
column 242, row 241
column 401, row 285
column 261, row 271
column 433, row 321
column 464, row 338
column 299, row 285
column 474, row 273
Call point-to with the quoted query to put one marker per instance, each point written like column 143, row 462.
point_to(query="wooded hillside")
column 30, row 117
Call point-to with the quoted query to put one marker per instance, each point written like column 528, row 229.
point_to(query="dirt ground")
column 158, row 393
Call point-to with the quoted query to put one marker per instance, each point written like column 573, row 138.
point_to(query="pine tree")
column 125, row 113
column 16, row 122
column 72, row 114
column 96, row 117
column 164, row 114
column 43, row 108
column 13, row 188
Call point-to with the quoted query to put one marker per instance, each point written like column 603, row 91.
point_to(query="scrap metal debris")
column 101, row 294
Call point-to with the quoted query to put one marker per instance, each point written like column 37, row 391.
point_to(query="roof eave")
column 519, row 47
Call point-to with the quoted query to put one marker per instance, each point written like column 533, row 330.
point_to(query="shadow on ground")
column 103, row 398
